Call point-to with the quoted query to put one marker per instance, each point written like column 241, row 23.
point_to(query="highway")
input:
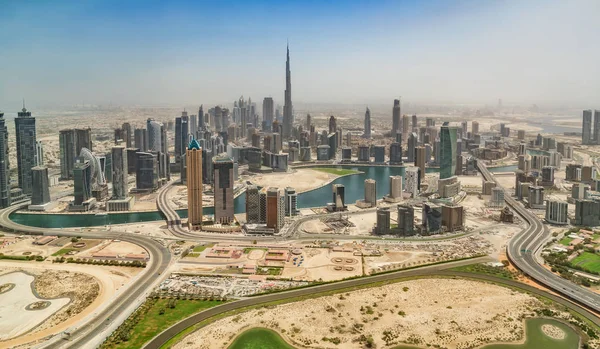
column 82, row 336
column 427, row 271
column 524, row 248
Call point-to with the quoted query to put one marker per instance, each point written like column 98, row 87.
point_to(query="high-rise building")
column 383, row 225
column 252, row 205
column 411, row 144
column 395, row 153
column 453, row 217
column 181, row 136
column 223, row 189
column 371, row 192
column 447, row 151
column 275, row 209
column 396, row 187
column 405, row 126
column 556, row 212
column 291, row 202
column 39, row 153
column 431, row 218
column 406, row 220
column 154, row 135
column 332, row 124
column 414, row 123
column 268, row 112
column 41, row 189
column 146, row 172
column 596, row 126
column 26, row 139
column 586, row 131
column 127, row 134
column 396, row 118
column 475, row 127
column 5, row 199
column 71, row 142
column 82, row 182
column 119, row 173
column 536, row 197
column 288, row 109
column 193, row 159
column 587, row 213
column 413, row 181
column 379, row 154
column 140, row 139
column 339, row 203
column 201, row 120
column 367, row 132
column 420, row 160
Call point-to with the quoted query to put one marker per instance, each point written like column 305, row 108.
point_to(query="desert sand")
column 466, row 314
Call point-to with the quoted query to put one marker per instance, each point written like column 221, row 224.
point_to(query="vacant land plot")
column 336, row 171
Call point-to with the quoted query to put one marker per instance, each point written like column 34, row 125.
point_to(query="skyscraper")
column 367, row 133
column 291, row 202
column 71, row 142
column 140, row 139
column 41, row 189
column 332, row 124
column 146, row 174
column 275, row 208
column 586, row 131
column 4, row 164
column 596, row 126
column 193, row 158
column 252, row 205
column 396, row 118
column 181, row 136
column 420, row 160
column 268, row 112
column 82, row 181
column 288, row 116
column 154, row 135
column 405, row 126
column 371, row 192
column 26, row 139
column 447, row 151
column 39, row 153
column 414, row 123
column 201, row 121
column 119, row 173
column 223, row 189
column 127, row 134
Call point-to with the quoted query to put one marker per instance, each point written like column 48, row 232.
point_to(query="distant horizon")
column 460, row 52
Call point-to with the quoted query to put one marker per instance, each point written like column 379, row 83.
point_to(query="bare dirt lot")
column 466, row 314
column 302, row 180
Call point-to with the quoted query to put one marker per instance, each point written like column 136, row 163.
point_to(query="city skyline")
column 435, row 51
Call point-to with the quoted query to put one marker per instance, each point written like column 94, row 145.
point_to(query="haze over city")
column 176, row 53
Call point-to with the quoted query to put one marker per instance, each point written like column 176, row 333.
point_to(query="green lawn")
column 193, row 254
column 202, row 247
column 152, row 323
column 259, row 338
column 336, row 171
column 587, row 260
column 63, row 251
column 565, row 241
column 248, row 249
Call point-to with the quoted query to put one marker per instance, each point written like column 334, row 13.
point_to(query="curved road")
column 431, row 271
column 524, row 247
column 81, row 336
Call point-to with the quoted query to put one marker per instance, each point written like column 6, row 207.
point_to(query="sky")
column 189, row 52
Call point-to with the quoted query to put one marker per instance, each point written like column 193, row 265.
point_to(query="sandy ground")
column 304, row 179
column 466, row 314
column 15, row 319
column 120, row 248
column 69, row 280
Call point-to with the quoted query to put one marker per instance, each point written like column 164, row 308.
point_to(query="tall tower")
column 367, row 133
column 332, row 124
column 447, row 151
column 288, row 117
column 201, row 121
column 193, row 158
column 4, row 165
column 268, row 112
column 119, row 173
column 26, row 139
column 223, row 189
column 396, row 118
column 586, row 132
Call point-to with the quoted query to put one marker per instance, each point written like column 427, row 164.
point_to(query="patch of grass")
column 193, row 254
column 272, row 271
column 588, row 261
column 565, row 241
column 156, row 319
column 336, row 170
column 201, row 248
column 63, row 251
column 248, row 249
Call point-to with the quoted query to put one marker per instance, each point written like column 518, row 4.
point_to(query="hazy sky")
column 180, row 52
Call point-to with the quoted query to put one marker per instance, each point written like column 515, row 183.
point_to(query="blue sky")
column 184, row 52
